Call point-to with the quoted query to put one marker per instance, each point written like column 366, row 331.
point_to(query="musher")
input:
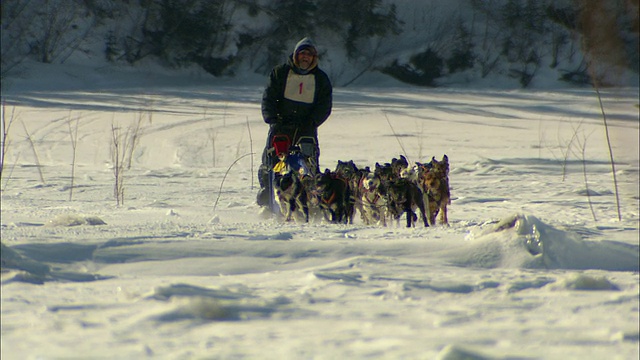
column 295, row 102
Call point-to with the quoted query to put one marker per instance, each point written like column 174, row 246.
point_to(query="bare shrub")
column 123, row 144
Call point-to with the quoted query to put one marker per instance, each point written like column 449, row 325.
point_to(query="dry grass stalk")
column 250, row 150
column 35, row 153
column 6, row 126
column 606, row 57
column 73, row 134
column 123, row 145
column 215, row 205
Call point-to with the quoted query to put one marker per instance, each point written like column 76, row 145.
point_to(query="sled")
column 301, row 155
column 307, row 148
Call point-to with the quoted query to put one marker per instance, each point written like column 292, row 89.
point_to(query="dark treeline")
column 423, row 44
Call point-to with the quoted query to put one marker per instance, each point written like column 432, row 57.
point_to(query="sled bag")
column 307, row 146
column 281, row 144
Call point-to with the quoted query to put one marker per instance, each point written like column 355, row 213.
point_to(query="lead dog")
column 373, row 200
column 398, row 165
column 436, row 186
column 405, row 196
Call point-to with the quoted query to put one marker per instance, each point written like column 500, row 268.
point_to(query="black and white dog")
column 291, row 195
column 373, row 200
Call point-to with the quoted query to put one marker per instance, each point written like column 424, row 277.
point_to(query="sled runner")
column 280, row 145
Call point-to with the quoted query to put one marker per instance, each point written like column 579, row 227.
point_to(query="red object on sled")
column 281, row 144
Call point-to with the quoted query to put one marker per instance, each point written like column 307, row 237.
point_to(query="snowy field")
column 188, row 268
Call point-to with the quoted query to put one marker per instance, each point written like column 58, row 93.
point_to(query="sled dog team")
column 380, row 195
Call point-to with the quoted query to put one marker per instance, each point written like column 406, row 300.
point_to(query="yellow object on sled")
column 279, row 167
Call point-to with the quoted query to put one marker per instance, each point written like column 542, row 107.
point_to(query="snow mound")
column 523, row 241
column 203, row 304
column 586, row 282
column 19, row 268
column 75, row 220
column 456, row 352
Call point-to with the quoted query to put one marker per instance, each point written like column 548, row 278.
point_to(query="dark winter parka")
column 296, row 102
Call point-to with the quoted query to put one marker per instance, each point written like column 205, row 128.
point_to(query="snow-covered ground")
column 188, row 268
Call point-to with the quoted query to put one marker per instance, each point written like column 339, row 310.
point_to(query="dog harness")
column 366, row 191
column 330, row 199
column 333, row 193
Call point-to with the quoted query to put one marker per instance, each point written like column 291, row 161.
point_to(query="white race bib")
column 300, row 88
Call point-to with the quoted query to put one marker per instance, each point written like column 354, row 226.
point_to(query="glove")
column 271, row 120
column 278, row 120
column 285, row 121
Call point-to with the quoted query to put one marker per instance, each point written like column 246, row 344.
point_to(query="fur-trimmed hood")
column 305, row 43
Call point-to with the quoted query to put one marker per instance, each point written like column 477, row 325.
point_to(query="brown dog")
column 435, row 184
